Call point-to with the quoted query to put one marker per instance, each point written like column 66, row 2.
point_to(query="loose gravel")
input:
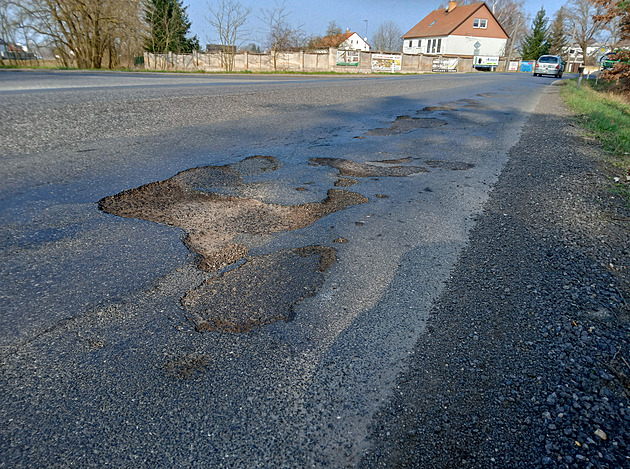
column 525, row 360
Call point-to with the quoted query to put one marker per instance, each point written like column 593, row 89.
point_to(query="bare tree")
column 9, row 25
column 126, row 35
column 387, row 38
column 281, row 36
column 333, row 28
column 228, row 18
column 85, row 31
column 614, row 30
column 586, row 23
column 512, row 18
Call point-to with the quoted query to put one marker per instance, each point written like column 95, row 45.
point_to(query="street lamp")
column 366, row 29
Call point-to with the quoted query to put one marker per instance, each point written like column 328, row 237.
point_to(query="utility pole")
column 511, row 49
column 366, row 29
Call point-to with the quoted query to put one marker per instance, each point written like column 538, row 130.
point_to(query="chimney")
column 451, row 6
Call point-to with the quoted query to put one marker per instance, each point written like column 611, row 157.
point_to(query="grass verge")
column 607, row 117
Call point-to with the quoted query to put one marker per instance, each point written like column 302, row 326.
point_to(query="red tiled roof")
column 334, row 40
column 442, row 22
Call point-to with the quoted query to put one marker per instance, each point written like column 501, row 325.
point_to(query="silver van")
column 549, row 65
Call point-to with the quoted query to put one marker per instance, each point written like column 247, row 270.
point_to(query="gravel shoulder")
column 526, row 356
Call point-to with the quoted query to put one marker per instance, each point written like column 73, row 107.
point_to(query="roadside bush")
column 620, row 72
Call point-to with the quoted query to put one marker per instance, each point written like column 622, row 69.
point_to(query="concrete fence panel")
column 292, row 61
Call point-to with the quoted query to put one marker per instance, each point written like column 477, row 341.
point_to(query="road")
column 142, row 336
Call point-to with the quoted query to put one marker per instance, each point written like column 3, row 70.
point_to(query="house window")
column 428, row 46
column 434, row 21
column 410, row 43
column 439, row 45
column 480, row 23
column 433, row 46
column 419, row 43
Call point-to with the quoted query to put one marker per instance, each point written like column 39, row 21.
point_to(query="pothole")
column 346, row 182
column 361, row 170
column 404, row 124
column 263, row 290
column 210, row 220
column 438, row 108
column 471, row 103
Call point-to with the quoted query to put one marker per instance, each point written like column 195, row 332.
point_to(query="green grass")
column 607, row 117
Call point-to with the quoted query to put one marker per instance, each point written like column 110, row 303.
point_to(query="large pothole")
column 211, row 221
column 261, row 290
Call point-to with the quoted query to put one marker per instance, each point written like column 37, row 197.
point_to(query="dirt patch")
column 404, row 124
column 211, row 220
column 452, row 165
column 263, row 290
column 353, row 169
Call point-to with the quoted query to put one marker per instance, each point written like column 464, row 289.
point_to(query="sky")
column 313, row 16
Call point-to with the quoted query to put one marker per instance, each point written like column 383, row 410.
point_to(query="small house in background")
column 466, row 31
column 221, row 48
column 345, row 41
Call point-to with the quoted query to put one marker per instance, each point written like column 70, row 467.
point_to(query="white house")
column 465, row 31
column 345, row 41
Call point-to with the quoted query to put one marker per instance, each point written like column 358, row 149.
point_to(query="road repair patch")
column 353, row 169
column 275, row 284
column 404, row 124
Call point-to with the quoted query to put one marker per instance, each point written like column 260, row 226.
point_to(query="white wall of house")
column 456, row 45
column 355, row 42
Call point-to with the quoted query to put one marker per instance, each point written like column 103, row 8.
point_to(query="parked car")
column 549, row 65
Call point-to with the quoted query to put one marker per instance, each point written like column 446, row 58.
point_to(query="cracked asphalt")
column 102, row 362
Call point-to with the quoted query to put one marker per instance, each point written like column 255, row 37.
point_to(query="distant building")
column 220, row 48
column 15, row 52
column 345, row 41
column 466, row 31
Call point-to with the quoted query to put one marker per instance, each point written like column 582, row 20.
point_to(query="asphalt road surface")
column 145, row 329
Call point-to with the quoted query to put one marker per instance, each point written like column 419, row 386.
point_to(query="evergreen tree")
column 535, row 43
column 169, row 26
column 557, row 35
